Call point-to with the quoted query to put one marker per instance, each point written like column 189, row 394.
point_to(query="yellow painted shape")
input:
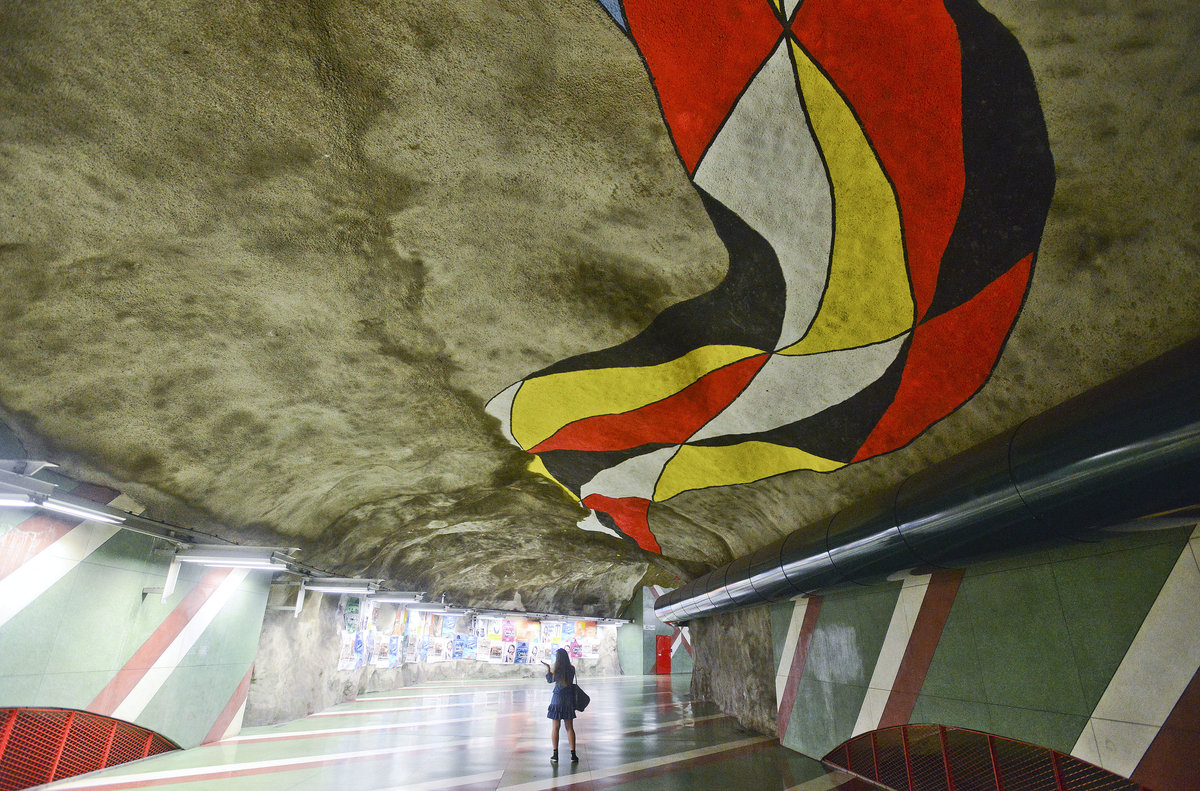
column 702, row 466
column 538, row 466
column 545, row 404
column 867, row 298
column 777, row 5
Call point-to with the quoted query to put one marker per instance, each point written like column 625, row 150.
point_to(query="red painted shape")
column 671, row 420
column 662, row 655
column 1170, row 761
column 922, row 643
column 700, row 57
column 144, row 658
column 807, row 627
column 630, row 514
column 899, row 66
column 231, row 709
column 951, row 357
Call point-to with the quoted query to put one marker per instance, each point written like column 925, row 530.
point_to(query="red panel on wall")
column 662, row 655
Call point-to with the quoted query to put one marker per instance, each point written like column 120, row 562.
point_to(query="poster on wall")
column 522, row 655
column 495, row 651
column 510, row 653
column 459, row 643
column 470, row 646
column 495, row 629
column 508, row 631
column 589, row 630
column 394, row 651
column 575, row 649
column 448, row 624
column 346, row 654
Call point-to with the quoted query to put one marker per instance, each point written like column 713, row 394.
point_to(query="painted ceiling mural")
column 880, row 174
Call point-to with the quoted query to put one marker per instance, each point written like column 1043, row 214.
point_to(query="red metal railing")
column 41, row 745
column 937, row 758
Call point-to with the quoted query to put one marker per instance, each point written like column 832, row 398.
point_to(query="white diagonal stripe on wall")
column 789, row 648
column 891, row 653
column 1158, row 666
column 37, row 575
column 139, row 697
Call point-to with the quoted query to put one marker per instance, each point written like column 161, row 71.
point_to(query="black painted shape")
column 839, row 431
column 1006, row 156
column 746, row 309
column 574, row 468
column 611, row 524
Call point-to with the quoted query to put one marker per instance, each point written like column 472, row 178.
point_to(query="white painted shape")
column 765, row 166
column 783, row 669
column 891, row 653
column 579, row 778
column 790, row 388
column 38, row 574
column 634, row 477
column 1160, row 662
column 1122, row 744
column 147, row 687
column 1086, row 748
column 593, row 523
column 1163, row 656
column 235, row 725
column 500, row 407
column 871, row 710
column 789, row 7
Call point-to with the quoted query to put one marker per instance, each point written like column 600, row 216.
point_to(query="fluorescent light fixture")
column 437, row 608
column 70, row 509
column 15, row 501
column 236, row 557
column 396, row 597
column 351, row 585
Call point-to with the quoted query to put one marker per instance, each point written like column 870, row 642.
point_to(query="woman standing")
column 562, row 702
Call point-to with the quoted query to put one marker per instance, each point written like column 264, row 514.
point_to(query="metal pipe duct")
column 1127, row 450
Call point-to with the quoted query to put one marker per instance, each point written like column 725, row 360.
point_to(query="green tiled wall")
column 68, row 643
column 1030, row 644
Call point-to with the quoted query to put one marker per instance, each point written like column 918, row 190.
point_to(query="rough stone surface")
column 262, row 264
column 735, row 667
column 295, row 669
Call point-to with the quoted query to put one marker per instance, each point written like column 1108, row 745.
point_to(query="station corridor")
column 640, row 733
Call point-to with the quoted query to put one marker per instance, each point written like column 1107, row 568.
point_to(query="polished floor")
column 641, row 733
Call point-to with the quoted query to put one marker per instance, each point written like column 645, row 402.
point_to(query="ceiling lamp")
column 236, row 557
column 350, row 585
column 396, row 597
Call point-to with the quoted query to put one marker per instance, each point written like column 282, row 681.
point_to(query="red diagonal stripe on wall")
column 231, row 708
column 922, row 643
column 144, row 658
column 1170, row 761
column 799, row 659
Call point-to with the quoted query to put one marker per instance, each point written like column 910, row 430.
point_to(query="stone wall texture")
column 735, row 666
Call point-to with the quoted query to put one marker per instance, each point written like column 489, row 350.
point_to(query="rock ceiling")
column 264, row 265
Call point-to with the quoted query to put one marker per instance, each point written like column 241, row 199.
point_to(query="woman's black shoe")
column 554, row 757
column 574, row 757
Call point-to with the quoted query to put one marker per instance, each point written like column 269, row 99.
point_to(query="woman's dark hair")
column 562, row 663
